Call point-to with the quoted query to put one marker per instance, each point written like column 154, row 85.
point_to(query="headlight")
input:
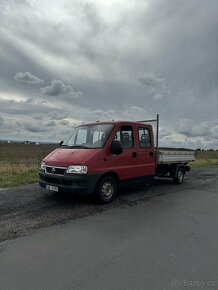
column 80, row 169
column 42, row 167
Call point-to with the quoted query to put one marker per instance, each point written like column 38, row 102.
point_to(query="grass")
column 19, row 163
column 7, row 179
column 205, row 158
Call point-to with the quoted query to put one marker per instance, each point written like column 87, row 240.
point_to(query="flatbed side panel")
column 174, row 156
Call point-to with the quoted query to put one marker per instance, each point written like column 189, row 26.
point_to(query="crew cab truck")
column 99, row 157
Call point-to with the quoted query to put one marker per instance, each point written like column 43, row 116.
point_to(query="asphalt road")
column 159, row 236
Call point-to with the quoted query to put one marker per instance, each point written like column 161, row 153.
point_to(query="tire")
column 178, row 179
column 106, row 189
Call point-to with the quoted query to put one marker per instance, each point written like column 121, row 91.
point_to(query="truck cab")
column 99, row 157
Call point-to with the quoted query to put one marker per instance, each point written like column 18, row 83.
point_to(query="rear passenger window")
column 144, row 138
column 125, row 136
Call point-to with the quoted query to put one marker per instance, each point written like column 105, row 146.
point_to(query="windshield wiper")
column 64, row 145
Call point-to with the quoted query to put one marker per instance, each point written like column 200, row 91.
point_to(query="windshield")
column 89, row 136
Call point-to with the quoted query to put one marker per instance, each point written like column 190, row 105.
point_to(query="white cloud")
column 58, row 88
column 102, row 115
column 28, row 78
column 128, row 113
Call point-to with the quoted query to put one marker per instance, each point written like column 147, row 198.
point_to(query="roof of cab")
column 117, row 122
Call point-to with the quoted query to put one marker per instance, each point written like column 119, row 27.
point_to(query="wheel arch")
column 115, row 178
column 109, row 173
column 176, row 167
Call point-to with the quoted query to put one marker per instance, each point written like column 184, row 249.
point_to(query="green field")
column 19, row 163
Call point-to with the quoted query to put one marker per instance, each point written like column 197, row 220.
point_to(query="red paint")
column 132, row 163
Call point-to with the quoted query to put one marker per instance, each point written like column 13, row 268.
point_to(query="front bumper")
column 73, row 183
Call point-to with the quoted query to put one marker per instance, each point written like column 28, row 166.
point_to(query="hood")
column 65, row 156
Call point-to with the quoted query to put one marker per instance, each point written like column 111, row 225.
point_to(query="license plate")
column 51, row 187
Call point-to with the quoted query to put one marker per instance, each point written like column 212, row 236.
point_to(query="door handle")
column 151, row 153
column 134, row 154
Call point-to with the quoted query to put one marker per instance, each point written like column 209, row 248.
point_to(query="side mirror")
column 61, row 143
column 116, row 147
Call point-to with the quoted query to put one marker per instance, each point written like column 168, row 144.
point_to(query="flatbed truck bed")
column 174, row 156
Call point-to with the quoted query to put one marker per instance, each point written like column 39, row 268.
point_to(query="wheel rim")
column 107, row 189
column 180, row 176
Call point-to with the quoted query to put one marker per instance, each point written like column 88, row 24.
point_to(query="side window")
column 144, row 138
column 125, row 136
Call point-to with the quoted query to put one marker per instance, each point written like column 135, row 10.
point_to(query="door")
column 125, row 164
column 145, row 152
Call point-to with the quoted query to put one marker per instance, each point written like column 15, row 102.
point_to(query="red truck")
column 99, row 157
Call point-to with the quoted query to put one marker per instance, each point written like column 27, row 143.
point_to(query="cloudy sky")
column 65, row 62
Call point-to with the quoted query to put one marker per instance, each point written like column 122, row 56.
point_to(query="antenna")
column 157, row 137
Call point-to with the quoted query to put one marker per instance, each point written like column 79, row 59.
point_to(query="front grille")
column 55, row 170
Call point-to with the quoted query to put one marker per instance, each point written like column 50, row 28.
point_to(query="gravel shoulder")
column 26, row 209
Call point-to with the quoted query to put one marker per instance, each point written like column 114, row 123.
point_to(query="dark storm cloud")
column 51, row 124
column 156, row 85
column 34, row 128
column 203, row 129
column 15, row 108
column 187, row 49
column 215, row 132
column 57, row 115
column 58, row 88
column 64, row 123
column 1, row 121
column 98, row 48
column 27, row 77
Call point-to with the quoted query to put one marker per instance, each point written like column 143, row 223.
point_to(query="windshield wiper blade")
column 64, row 145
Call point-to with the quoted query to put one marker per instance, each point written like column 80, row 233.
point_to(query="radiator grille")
column 55, row 170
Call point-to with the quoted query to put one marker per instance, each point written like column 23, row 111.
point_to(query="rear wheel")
column 178, row 179
column 106, row 189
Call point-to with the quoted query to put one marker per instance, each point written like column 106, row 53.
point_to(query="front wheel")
column 106, row 189
column 178, row 179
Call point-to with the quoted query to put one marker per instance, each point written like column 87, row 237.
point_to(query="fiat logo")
column 53, row 170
